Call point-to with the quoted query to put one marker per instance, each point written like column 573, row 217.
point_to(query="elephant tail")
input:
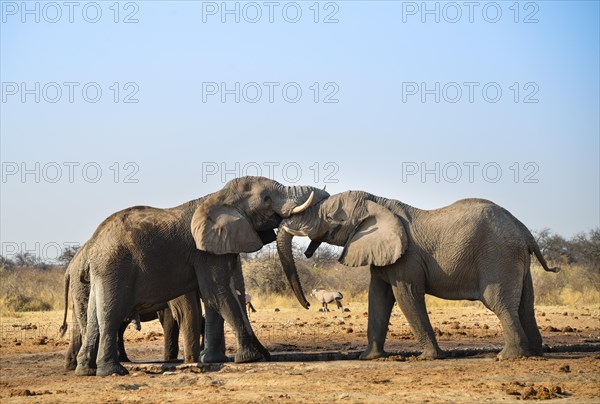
column 63, row 327
column 533, row 247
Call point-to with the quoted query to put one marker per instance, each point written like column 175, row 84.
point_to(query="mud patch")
column 529, row 391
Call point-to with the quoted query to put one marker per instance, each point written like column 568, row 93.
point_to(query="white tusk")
column 305, row 205
column 293, row 232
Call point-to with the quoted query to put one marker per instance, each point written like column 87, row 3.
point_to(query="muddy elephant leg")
column 527, row 318
column 215, row 274
column 86, row 358
column 381, row 302
column 412, row 303
column 171, row 334
column 507, row 310
column 74, row 344
column 121, row 342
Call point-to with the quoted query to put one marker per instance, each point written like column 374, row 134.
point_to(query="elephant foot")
column 213, row 356
column 124, row 358
column 188, row 359
column 536, row 350
column 371, row 354
column 430, row 354
column 84, row 371
column 512, row 352
column 111, row 369
column 246, row 355
column 71, row 364
column 265, row 353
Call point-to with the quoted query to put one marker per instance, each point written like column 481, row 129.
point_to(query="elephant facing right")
column 472, row 250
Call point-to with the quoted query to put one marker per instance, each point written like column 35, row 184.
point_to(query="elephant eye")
column 267, row 199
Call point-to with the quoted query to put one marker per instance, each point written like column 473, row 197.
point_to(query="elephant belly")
column 454, row 289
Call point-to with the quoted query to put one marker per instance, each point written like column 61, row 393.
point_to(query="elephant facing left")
column 143, row 256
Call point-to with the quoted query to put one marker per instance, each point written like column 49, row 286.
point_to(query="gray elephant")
column 142, row 256
column 183, row 313
column 472, row 249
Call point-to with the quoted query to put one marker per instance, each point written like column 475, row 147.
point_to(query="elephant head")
column 242, row 215
column 369, row 233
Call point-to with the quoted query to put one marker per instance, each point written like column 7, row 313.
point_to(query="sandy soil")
column 32, row 359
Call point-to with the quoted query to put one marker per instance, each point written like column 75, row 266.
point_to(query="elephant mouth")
column 270, row 223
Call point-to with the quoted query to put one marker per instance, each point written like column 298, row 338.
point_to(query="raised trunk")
column 284, row 248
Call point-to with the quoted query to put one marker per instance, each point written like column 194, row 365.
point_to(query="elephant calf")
column 326, row 297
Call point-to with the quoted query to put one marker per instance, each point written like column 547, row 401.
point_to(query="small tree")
column 67, row 255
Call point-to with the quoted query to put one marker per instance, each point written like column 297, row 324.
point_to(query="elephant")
column 182, row 313
column 143, row 256
column 472, row 249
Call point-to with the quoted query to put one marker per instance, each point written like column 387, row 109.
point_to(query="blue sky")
column 533, row 148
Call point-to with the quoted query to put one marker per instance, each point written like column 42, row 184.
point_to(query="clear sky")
column 107, row 105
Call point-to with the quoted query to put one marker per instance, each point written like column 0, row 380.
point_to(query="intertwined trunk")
column 284, row 248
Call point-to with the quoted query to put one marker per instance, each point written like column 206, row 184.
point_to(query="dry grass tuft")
column 35, row 289
column 31, row 289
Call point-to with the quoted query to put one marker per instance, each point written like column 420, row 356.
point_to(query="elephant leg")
column 240, row 286
column 74, row 344
column 215, row 274
column 171, row 334
column 111, row 312
column 527, row 318
column 381, row 302
column 121, row 342
column 214, row 338
column 412, row 303
column 187, row 313
column 507, row 310
column 86, row 358
column 202, row 329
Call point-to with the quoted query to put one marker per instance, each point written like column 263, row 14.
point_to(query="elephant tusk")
column 293, row 232
column 305, row 205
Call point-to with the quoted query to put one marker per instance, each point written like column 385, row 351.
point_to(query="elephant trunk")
column 284, row 248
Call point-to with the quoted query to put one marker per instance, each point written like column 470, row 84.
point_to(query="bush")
column 31, row 289
column 264, row 275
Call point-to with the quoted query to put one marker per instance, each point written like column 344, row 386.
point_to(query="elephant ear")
column 378, row 240
column 221, row 229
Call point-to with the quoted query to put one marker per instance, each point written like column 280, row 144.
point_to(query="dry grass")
column 28, row 289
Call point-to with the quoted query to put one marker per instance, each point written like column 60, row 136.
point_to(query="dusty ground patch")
column 31, row 362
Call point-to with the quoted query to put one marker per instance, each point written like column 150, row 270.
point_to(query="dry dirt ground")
column 31, row 362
